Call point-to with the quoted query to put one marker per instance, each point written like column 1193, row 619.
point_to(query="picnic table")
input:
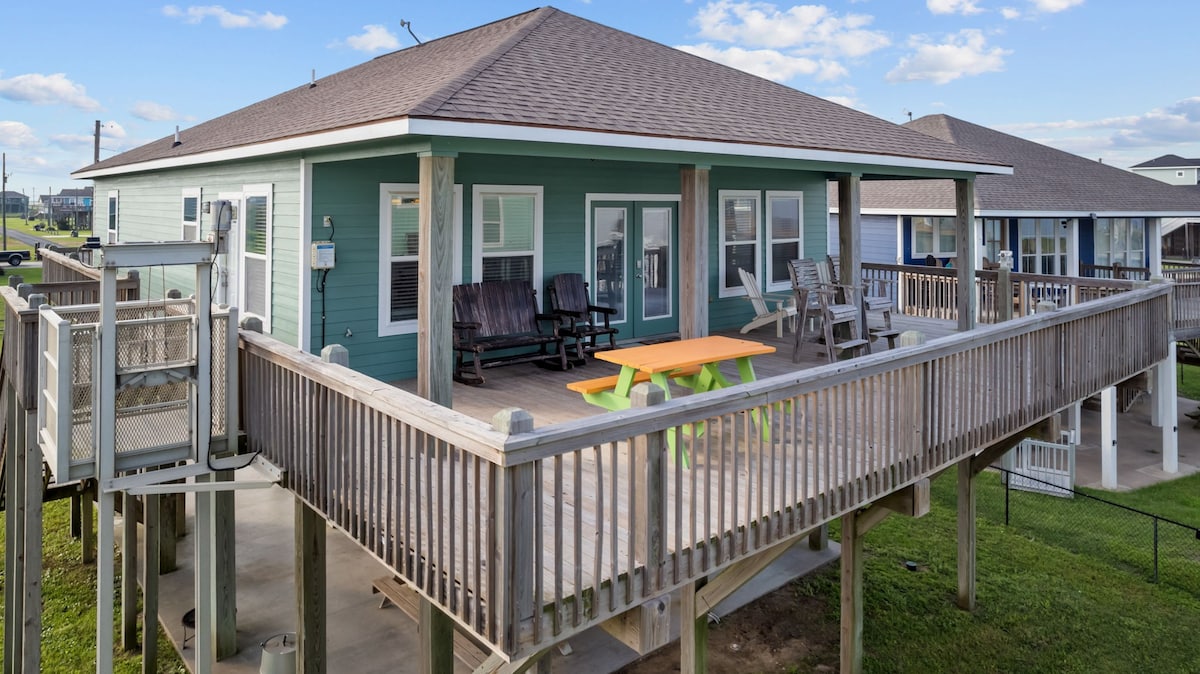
column 693, row 363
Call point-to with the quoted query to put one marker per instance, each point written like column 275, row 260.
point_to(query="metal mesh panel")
column 219, row 344
column 141, row 345
column 82, row 352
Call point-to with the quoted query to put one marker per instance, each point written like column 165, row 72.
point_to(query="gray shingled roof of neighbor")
column 548, row 69
column 1168, row 161
column 1044, row 180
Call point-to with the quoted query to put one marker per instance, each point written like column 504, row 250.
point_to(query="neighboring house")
column 1171, row 169
column 571, row 147
column 1181, row 236
column 14, row 203
column 1058, row 212
column 72, row 204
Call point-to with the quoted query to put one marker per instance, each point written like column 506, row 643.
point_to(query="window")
column 112, row 216
column 738, row 218
column 507, row 233
column 1179, row 174
column 1043, row 244
column 1121, row 241
column 191, row 215
column 399, row 239
column 934, row 236
column 995, row 238
column 256, row 253
column 785, row 236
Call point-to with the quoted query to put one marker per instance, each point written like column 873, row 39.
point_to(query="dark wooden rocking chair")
column 578, row 318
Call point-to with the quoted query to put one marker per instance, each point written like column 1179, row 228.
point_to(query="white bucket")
column 279, row 654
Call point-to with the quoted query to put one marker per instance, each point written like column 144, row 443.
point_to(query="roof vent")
column 177, row 142
column 312, row 82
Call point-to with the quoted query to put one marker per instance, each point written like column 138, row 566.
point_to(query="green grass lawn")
column 1040, row 608
column 1189, row 381
column 69, row 606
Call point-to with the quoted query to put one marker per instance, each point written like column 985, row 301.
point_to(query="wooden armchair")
column 578, row 318
column 874, row 303
column 785, row 306
column 820, row 299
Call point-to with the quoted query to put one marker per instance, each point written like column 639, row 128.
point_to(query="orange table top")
column 667, row 356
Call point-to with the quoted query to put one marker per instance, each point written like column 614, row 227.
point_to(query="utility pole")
column 4, row 195
column 96, row 145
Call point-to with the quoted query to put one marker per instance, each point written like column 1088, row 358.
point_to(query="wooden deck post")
column 225, row 569
column 87, row 517
column 25, row 432
column 435, row 359
column 310, row 589
column 693, row 252
column 966, row 535
column 129, row 585
column 964, row 263
column 852, row 595
column 849, row 228
column 150, row 544
column 515, row 535
column 693, row 631
column 14, row 528
column 649, row 488
column 1165, row 399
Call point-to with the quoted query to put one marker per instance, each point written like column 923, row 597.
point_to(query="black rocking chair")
column 578, row 318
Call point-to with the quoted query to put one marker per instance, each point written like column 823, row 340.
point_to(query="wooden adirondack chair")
column 821, row 300
column 785, row 306
column 879, row 304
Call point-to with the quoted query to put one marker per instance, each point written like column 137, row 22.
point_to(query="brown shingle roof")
column 550, row 69
column 1044, row 179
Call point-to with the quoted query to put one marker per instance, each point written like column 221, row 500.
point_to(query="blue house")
column 1058, row 212
column 538, row 144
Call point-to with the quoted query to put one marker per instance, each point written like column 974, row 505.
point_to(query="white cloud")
column 72, row 141
column 226, row 18
column 47, row 90
column 152, row 112
column 1010, row 13
column 768, row 63
column 1125, row 139
column 962, row 54
column 16, row 134
column 374, row 38
column 964, row 7
column 810, row 30
column 1053, row 6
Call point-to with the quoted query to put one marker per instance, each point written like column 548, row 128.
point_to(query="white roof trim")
column 984, row 213
column 433, row 127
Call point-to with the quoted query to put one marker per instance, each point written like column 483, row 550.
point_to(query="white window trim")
column 768, row 253
column 189, row 193
column 737, row 290
column 388, row 327
column 113, row 215
column 916, row 254
column 249, row 191
column 477, row 251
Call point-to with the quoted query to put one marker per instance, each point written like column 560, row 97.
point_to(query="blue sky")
column 1111, row 79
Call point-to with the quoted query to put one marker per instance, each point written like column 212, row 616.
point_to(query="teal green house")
column 538, row 144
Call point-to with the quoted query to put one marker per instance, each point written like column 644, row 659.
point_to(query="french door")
column 634, row 257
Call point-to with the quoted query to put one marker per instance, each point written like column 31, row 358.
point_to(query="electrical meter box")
column 322, row 255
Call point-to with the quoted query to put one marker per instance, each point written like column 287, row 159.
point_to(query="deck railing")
column 930, row 292
column 527, row 538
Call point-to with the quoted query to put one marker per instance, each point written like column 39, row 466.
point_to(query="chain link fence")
column 1143, row 544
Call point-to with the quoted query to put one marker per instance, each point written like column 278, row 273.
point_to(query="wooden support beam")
column 225, row 568
column 649, row 491
column 435, row 315
column 966, row 535
column 169, row 532
column 964, row 263
column 31, row 627
column 911, row 501
column 850, row 228
column 87, row 518
column 718, row 588
column 851, row 595
column 693, row 251
column 14, row 531
column 993, row 452
column 151, row 525
column 310, row 590
column 515, row 524
column 75, row 514
column 643, row 628
column 693, row 633
column 818, row 539
column 129, row 585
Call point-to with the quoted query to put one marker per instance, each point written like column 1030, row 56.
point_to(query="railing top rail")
column 464, row 432
column 61, row 259
column 1015, row 277
column 21, row 305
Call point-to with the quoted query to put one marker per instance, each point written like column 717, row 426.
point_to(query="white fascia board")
column 433, row 127
column 512, row 132
column 982, row 213
column 358, row 134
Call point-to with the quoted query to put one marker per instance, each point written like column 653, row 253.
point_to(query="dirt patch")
column 786, row 631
